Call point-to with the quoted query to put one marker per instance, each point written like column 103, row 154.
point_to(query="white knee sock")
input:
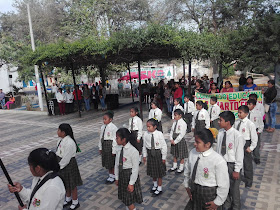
column 174, row 165
column 68, row 198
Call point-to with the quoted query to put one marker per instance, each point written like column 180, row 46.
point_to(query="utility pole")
column 39, row 91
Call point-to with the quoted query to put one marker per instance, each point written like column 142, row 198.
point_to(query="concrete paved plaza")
column 21, row 132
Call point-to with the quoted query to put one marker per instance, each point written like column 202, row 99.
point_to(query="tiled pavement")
column 21, row 132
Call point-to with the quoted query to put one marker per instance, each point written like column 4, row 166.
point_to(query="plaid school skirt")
column 70, row 174
column 155, row 167
column 108, row 161
column 134, row 142
column 199, row 124
column 200, row 196
column 215, row 124
column 179, row 150
column 126, row 197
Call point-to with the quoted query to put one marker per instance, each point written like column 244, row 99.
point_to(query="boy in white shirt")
column 249, row 133
column 214, row 111
column 259, row 107
column 256, row 117
column 230, row 144
column 188, row 111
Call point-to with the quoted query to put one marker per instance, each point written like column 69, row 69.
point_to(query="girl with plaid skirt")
column 179, row 148
column 155, row 151
column 127, row 170
column 135, row 126
column 107, row 145
column 201, row 118
column 69, row 171
column 206, row 174
column 156, row 113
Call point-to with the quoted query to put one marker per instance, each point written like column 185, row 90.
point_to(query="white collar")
column 207, row 153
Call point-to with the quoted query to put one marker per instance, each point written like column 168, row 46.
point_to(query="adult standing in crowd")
column 250, row 84
column 270, row 102
column 2, row 98
column 213, row 88
column 61, row 99
column 69, row 101
column 102, row 97
column 167, row 95
column 95, row 97
column 135, row 88
column 86, row 95
column 228, row 88
column 178, row 91
column 199, row 87
column 242, row 82
column 54, row 88
column 78, row 97
column 160, row 94
column 120, row 88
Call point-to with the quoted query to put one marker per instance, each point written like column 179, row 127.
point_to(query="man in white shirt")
column 214, row 111
column 54, row 88
column 69, row 102
column 249, row 133
column 257, row 118
column 230, row 144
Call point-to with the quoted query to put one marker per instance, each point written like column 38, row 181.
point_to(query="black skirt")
column 108, row 161
column 155, row 167
column 200, row 196
column 126, row 197
column 70, row 174
column 134, row 142
column 179, row 150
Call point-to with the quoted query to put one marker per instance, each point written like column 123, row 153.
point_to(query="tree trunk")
column 102, row 75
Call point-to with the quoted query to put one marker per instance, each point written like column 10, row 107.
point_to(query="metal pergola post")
column 190, row 77
column 45, row 90
column 132, row 94
column 76, row 90
column 184, row 70
column 140, row 89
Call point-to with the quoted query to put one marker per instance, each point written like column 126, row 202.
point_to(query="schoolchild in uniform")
column 179, row 149
column 256, row 117
column 127, row 170
column 156, row 113
column 177, row 105
column 201, row 118
column 69, row 172
column 107, row 145
column 259, row 107
column 230, row 144
column 249, row 133
column 206, row 174
column 189, row 110
column 155, row 152
column 135, row 126
column 50, row 193
column 214, row 111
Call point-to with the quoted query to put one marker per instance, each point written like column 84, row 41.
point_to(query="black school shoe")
column 257, row 161
column 172, row 170
column 75, row 206
column 152, row 191
column 68, row 203
column 156, row 194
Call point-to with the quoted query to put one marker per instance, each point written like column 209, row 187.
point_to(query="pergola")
column 127, row 46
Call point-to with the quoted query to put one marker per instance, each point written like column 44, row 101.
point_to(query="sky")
column 6, row 6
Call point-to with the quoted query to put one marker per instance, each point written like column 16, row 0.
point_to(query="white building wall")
column 5, row 82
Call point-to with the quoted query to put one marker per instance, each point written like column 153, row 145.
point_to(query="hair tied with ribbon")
column 48, row 152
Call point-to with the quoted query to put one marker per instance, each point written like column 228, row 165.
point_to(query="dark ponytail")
column 124, row 133
column 136, row 110
column 203, row 104
column 179, row 100
column 67, row 129
column 45, row 158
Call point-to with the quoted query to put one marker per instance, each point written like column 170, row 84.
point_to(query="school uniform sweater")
column 234, row 147
column 159, row 143
column 110, row 134
column 211, row 171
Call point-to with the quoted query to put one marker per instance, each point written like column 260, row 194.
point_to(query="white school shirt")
column 137, row 126
column 203, row 115
column 60, row 97
column 50, row 195
column 69, row 98
column 181, row 129
column 155, row 113
column 248, row 131
column 216, row 110
column 110, row 134
column 130, row 160
column 211, row 171
column 234, row 147
column 191, row 108
column 178, row 106
column 257, row 118
column 159, row 143
column 66, row 150
column 259, row 107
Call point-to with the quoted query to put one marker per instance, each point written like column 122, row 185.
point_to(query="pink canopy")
column 134, row 76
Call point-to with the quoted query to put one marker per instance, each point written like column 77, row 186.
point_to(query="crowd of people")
column 222, row 157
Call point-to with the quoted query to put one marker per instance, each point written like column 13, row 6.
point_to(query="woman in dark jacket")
column 199, row 87
column 270, row 99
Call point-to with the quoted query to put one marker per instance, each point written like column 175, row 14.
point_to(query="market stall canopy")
column 134, row 76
